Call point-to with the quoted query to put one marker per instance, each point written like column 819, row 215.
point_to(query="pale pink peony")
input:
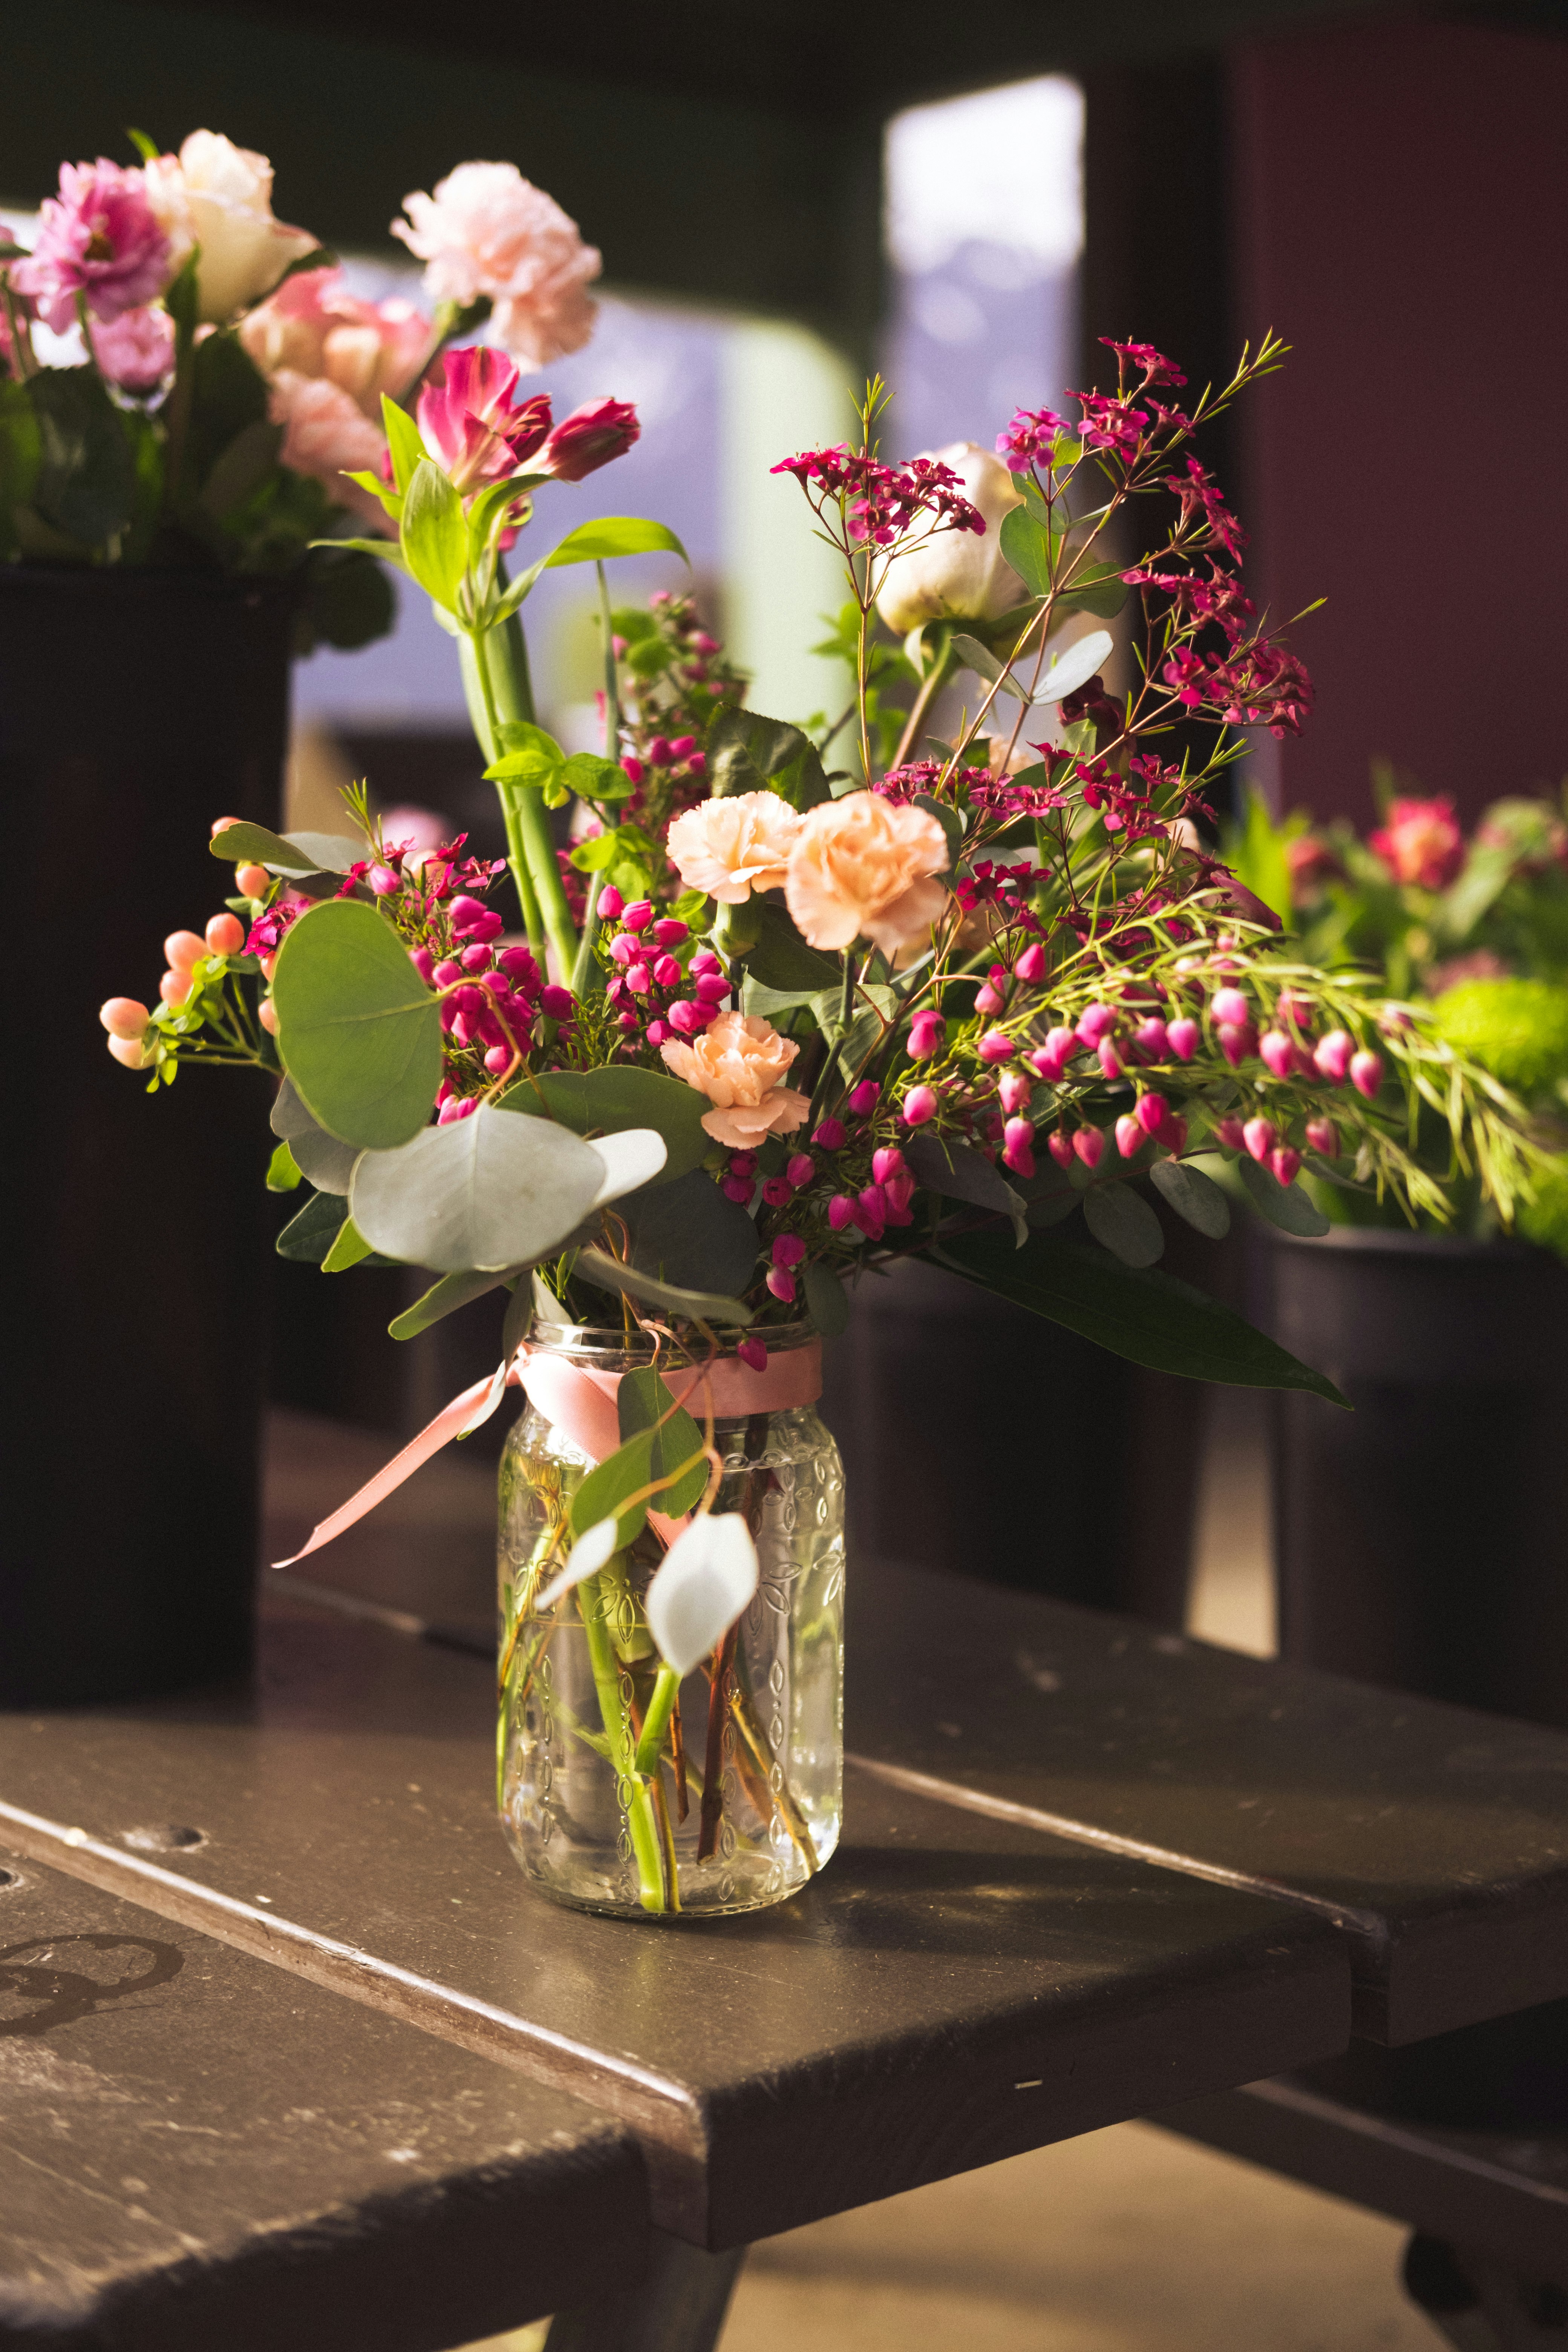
column 100, row 237
column 325, row 435
column 314, row 326
column 730, row 848
column 218, row 196
column 136, row 350
column 737, row 1062
column 861, row 866
column 487, row 231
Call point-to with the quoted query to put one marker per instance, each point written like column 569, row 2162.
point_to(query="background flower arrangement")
column 217, row 380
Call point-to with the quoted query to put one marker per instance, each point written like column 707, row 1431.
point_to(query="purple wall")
column 1402, row 211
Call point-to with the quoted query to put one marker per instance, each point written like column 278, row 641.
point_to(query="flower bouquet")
column 774, row 1022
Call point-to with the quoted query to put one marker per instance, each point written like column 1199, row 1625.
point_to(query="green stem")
column 665, row 1688
column 641, row 1824
column 585, row 970
column 485, row 720
column 502, row 657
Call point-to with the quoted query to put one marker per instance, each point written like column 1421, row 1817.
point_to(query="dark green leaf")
column 1193, row 1195
column 1285, row 1206
column 291, row 853
column 606, row 1101
column 947, row 816
column 780, row 958
column 595, row 779
column 612, row 535
column 749, row 753
column 960, row 1173
column 1150, row 1318
column 85, row 481
column 1122, row 1221
column 231, row 394
column 347, row 599
column 1099, row 589
column 827, row 1300
column 687, row 1233
column 974, row 657
column 20, row 450
column 607, row 1273
column 250, row 458
column 641, row 1401
column 435, row 536
column 358, row 1030
column 491, row 1191
column 602, row 1493
column 443, row 1297
column 1033, row 550
column 310, row 1236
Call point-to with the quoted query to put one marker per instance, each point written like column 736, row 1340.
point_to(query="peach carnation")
column 737, row 1062
column 863, row 865
column 730, row 848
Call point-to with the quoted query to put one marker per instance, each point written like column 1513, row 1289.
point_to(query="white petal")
column 633, row 1157
column 1076, row 666
column 707, row 1576
column 590, row 1553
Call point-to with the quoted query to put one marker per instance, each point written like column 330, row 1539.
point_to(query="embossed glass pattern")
column 745, row 1803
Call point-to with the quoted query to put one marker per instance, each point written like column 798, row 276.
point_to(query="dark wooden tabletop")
column 197, row 2149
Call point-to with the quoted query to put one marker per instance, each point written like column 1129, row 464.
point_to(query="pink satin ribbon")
column 581, row 1402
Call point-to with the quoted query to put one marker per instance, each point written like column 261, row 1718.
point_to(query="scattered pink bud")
column 626, row 948
column 608, row 904
column 520, row 969
column 627, row 1021
column 1232, row 1134
column 737, row 1188
column 1324, row 1137
column 687, row 1019
column 1018, row 1147
column 788, row 1250
column 268, row 1016
column 668, row 932
column 657, row 1031
column 175, row 987
column 497, row 1061
column 1231, row 1009
column 1366, row 1074
column 383, row 881
column 556, row 1003
column 1261, row 1135
column 899, row 1191
column 863, row 1097
column 777, row 1192
column 225, row 935
column 666, row 972
column 1235, row 1043
column 743, row 1164
column 989, row 1000
column 447, row 973
column 841, row 1211
column 124, row 1017
column 712, row 988
column 1152, row 1113
column 995, row 1046
column 1284, row 1163
column 871, row 1212
column 1015, row 1090
column 828, row 1135
column 1060, row 1146
column 1088, row 1143
column 638, row 915
column 1052, row 1058
column 1333, row 1055
column 465, row 913
column 887, row 1160
column 704, row 960
column 476, row 958
column 658, row 752
column 639, row 979
column 926, row 1033
column 802, row 1169
column 1152, row 1039
column 1094, row 1021
column 1031, row 965
column 182, row 948
column 634, row 769
column 424, row 963
column 1278, row 1051
column 1130, row 1135
column 780, row 1285
column 1175, row 1136
column 1183, row 1037
column 919, row 1105
column 252, row 881
column 1297, row 1011
column 1108, row 1058
column 753, row 1352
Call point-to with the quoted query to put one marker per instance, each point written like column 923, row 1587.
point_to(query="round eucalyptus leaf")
column 1076, row 665
column 631, row 1160
column 596, row 1102
column 1193, row 1195
column 358, row 1031
column 494, row 1191
column 328, row 1163
column 1122, row 1221
column 827, row 1300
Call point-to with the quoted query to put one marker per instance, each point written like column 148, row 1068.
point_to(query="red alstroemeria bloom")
column 590, row 437
column 471, row 424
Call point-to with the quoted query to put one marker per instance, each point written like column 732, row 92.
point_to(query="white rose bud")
column 957, row 576
column 219, row 196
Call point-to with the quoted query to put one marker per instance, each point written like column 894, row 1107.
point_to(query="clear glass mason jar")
column 747, row 1801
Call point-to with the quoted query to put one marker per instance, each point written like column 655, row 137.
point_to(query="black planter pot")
column 1421, row 1541
column 135, row 707
column 979, row 1438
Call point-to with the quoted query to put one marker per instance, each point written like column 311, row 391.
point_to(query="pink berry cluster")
column 659, row 987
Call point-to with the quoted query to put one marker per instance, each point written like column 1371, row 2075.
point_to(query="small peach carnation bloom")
column 863, row 866
column 730, row 848
column 737, row 1062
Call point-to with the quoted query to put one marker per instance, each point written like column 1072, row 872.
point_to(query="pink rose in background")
column 488, row 231
column 99, row 238
column 589, row 438
column 730, row 848
column 217, row 196
column 1420, row 843
column 314, row 326
column 326, row 435
column 25, row 309
column 862, row 866
column 470, row 423
column 136, row 350
column 737, row 1062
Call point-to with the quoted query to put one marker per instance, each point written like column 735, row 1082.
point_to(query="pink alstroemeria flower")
column 589, row 438
column 99, row 238
column 471, row 424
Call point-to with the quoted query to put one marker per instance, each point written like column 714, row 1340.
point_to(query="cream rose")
column 957, row 576
column 861, row 866
column 730, row 848
column 737, row 1062
column 219, row 196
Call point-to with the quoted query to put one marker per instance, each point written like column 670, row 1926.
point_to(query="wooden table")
column 1053, row 1909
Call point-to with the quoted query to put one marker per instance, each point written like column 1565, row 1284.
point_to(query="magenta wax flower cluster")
column 658, row 986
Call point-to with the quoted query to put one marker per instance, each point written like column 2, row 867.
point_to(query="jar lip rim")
column 603, row 1339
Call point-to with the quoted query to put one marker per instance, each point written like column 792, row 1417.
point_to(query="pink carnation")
column 326, row 436
column 737, row 1062
column 99, row 238
column 487, row 231
column 862, row 866
column 313, row 326
column 136, row 350
column 1421, row 843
